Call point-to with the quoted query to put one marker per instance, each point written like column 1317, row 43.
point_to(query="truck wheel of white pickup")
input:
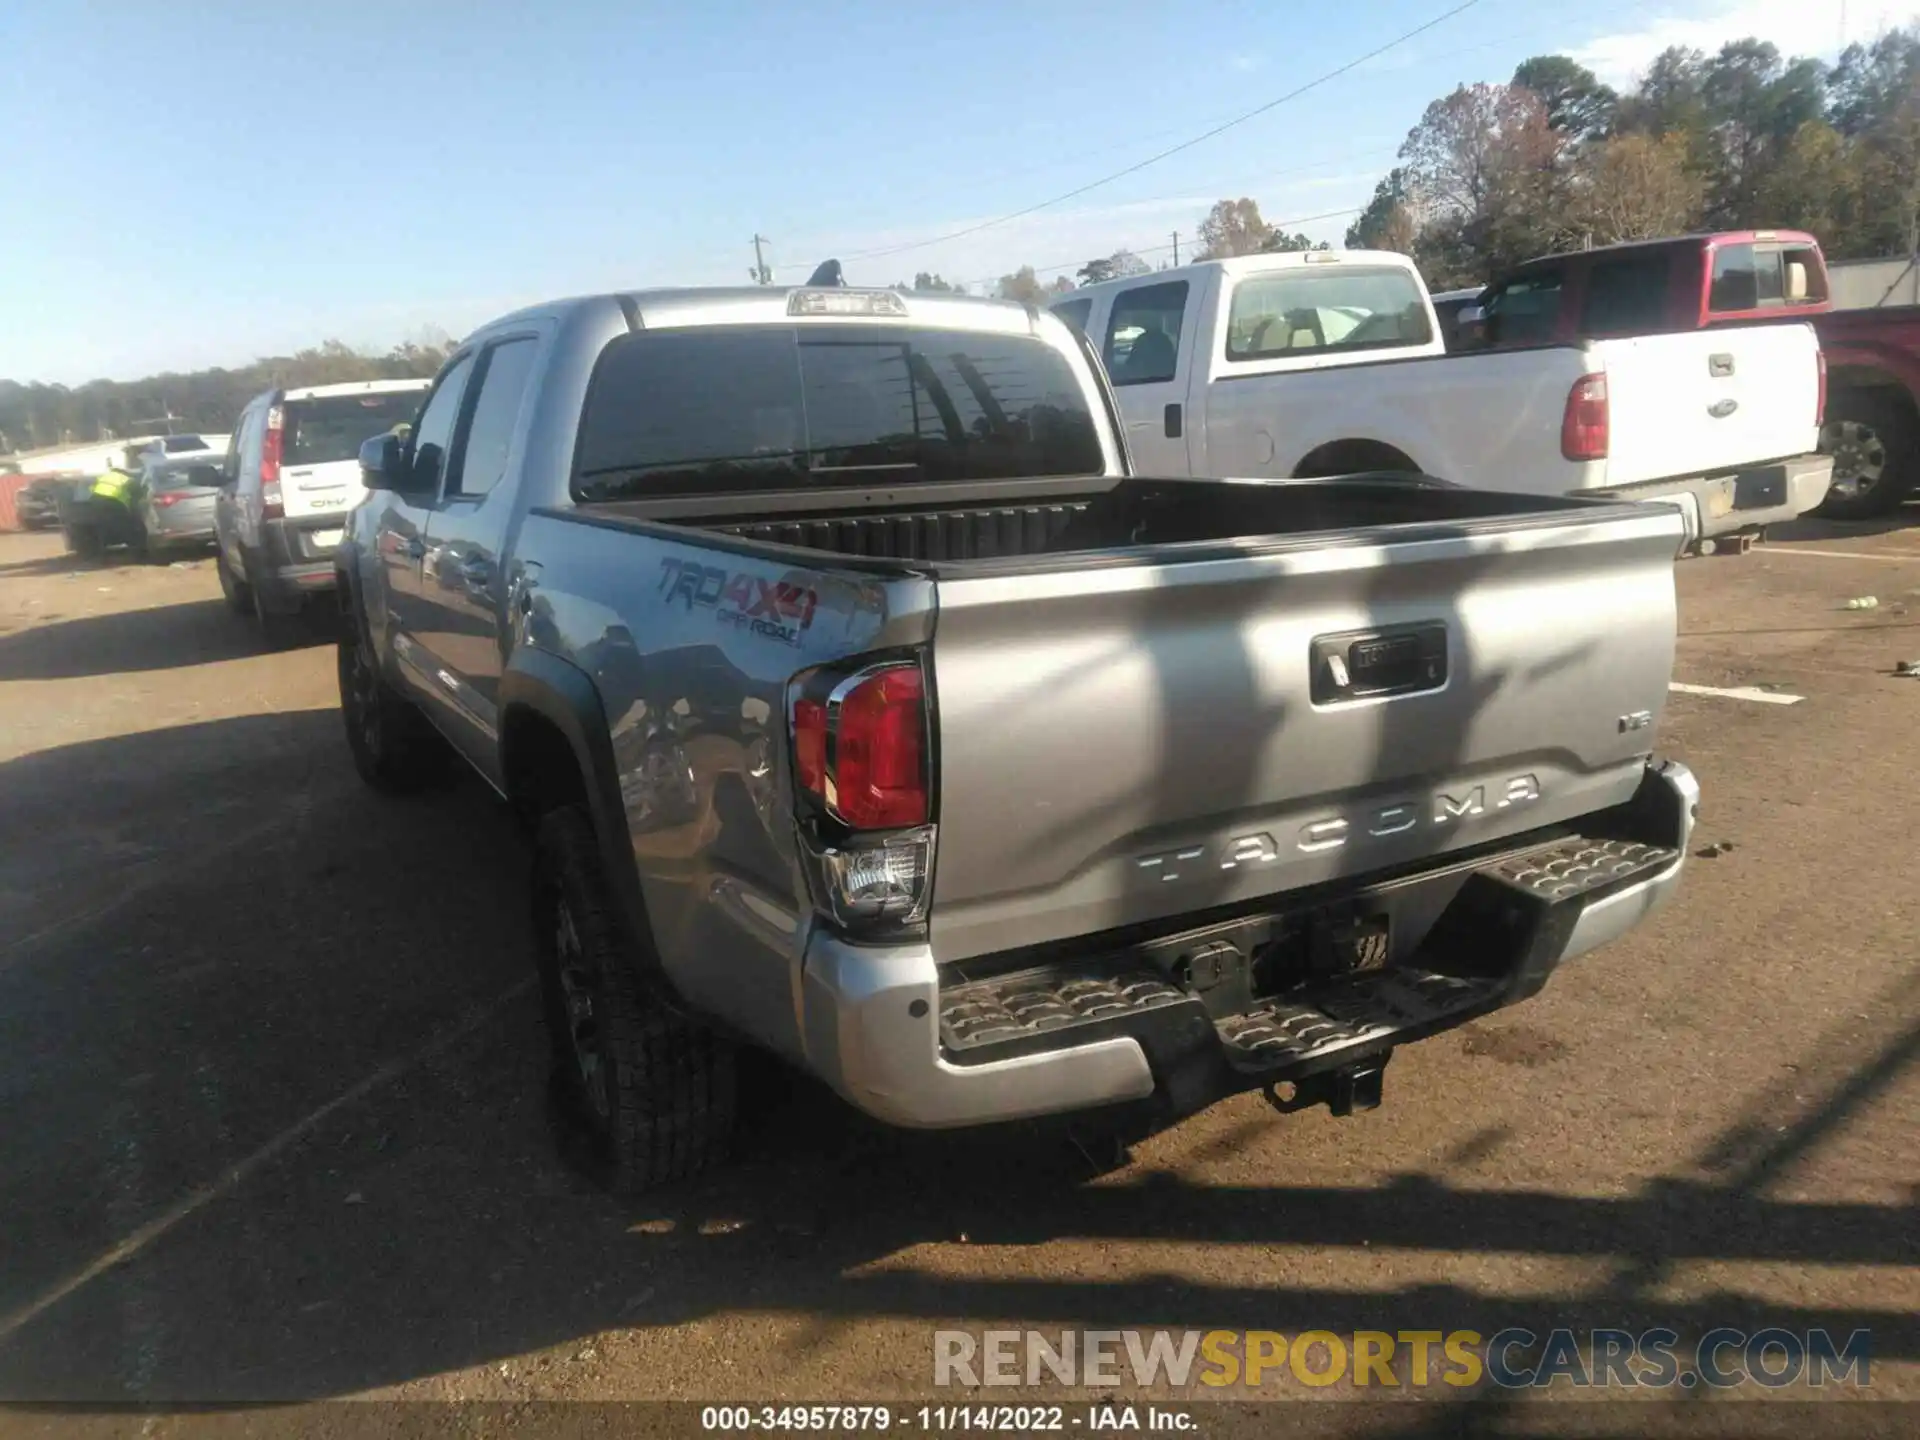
column 648, row 1095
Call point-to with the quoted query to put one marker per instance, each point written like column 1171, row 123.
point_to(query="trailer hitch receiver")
column 1344, row 1091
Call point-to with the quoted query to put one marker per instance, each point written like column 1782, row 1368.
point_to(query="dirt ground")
column 274, row 1108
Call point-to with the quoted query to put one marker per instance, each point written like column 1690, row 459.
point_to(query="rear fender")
column 539, row 684
column 1856, row 367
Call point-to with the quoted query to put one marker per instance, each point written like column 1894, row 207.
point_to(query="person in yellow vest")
column 111, row 515
column 117, row 486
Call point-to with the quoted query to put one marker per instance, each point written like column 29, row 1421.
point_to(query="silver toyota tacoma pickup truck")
column 868, row 710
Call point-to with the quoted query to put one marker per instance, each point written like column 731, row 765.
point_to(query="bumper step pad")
column 998, row 1012
column 1288, row 1032
column 1579, row 866
column 1306, row 1029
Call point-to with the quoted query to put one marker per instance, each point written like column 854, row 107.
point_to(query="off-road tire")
column 394, row 748
column 1886, row 427
column 238, row 593
column 662, row 1102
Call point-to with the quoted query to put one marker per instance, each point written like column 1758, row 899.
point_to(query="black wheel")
column 649, row 1094
column 239, row 594
column 394, row 748
column 1872, row 441
column 85, row 541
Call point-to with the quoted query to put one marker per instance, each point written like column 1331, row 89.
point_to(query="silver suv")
column 292, row 474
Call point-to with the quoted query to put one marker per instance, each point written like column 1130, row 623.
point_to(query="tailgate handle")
column 1375, row 664
column 1720, row 366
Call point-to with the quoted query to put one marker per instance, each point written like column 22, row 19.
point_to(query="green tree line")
column 1744, row 138
column 34, row 416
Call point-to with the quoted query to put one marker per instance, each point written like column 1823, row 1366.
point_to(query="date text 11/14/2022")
column 949, row 1419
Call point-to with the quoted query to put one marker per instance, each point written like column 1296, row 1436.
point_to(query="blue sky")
column 201, row 184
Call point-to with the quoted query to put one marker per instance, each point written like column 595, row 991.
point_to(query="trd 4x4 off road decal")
column 773, row 609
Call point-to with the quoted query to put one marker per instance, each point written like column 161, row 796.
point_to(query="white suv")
column 292, row 474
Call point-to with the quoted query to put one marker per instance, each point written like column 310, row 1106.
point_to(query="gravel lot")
column 274, row 1095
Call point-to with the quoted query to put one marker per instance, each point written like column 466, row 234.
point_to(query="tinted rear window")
column 1075, row 312
column 722, row 410
column 1525, row 310
column 1320, row 308
column 321, row 431
column 1627, row 295
column 200, row 474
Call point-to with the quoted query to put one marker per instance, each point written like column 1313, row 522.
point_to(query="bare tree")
column 1233, row 227
column 1483, row 163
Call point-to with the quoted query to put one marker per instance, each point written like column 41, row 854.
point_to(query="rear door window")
column 496, row 415
column 1142, row 344
column 1319, row 308
column 767, row 407
column 433, row 432
column 1803, row 275
column 331, row 428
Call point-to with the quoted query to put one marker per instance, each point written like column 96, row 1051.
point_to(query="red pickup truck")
column 1871, row 417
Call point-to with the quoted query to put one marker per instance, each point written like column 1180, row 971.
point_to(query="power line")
column 1313, row 84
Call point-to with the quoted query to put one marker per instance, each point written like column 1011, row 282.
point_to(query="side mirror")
column 1470, row 325
column 381, row 465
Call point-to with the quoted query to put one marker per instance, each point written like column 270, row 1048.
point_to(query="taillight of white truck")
column 863, row 793
column 1585, row 423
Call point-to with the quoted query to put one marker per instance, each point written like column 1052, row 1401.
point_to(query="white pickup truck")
column 1332, row 362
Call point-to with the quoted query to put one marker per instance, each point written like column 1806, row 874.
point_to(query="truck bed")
column 1160, row 697
column 1027, row 521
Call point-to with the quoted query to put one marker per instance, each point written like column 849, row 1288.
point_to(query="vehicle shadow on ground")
column 1814, row 527
column 278, row 1128
column 165, row 637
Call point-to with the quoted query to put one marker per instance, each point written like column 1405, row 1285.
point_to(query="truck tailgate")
column 1191, row 728
column 1709, row 401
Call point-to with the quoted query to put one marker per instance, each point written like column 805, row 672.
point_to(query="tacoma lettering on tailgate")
column 1240, row 852
column 774, row 609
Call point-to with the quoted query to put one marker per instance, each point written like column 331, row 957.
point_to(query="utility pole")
column 761, row 274
column 1176, row 248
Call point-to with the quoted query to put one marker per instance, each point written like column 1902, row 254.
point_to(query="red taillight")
column 863, row 753
column 167, row 498
column 1583, row 427
column 880, row 772
column 271, row 507
column 1820, row 401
